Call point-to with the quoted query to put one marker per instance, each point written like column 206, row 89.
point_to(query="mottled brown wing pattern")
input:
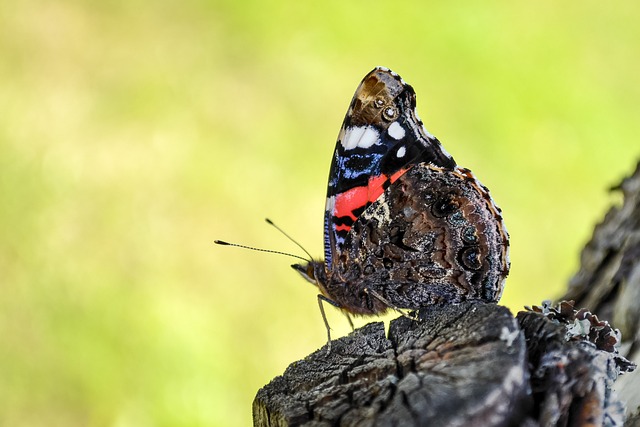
column 434, row 236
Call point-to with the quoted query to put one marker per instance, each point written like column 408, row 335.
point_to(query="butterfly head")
column 313, row 271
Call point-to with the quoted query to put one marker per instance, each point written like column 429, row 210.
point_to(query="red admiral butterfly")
column 404, row 226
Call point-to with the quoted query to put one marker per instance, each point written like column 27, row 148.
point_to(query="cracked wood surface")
column 462, row 363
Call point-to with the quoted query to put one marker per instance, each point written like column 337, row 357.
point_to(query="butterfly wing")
column 435, row 235
column 381, row 137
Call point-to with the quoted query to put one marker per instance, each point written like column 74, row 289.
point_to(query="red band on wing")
column 355, row 198
column 349, row 201
column 397, row 175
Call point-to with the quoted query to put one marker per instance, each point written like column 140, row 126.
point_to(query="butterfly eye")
column 390, row 113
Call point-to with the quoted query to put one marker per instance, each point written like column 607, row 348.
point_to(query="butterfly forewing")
column 380, row 138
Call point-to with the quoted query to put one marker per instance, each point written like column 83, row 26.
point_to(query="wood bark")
column 608, row 282
column 476, row 364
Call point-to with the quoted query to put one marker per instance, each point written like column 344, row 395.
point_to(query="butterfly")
column 404, row 225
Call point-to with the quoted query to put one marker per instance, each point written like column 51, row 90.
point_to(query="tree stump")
column 463, row 362
column 475, row 364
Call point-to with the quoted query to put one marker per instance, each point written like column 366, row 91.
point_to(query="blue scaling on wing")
column 353, row 168
column 380, row 136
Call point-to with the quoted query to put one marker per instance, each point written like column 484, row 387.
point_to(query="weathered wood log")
column 475, row 364
column 573, row 361
column 608, row 281
column 463, row 363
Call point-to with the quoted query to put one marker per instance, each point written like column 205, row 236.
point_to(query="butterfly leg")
column 324, row 317
column 350, row 321
column 391, row 306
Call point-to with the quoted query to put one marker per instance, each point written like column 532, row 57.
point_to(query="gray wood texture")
column 476, row 364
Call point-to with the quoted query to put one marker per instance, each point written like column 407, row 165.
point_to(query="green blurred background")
column 134, row 133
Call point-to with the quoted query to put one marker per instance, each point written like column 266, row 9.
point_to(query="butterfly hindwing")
column 435, row 235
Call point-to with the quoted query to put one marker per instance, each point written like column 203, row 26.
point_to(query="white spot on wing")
column 360, row 136
column 401, row 152
column 380, row 210
column 331, row 203
column 396, row 131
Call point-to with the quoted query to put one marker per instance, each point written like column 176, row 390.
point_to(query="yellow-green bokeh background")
column 134, row 133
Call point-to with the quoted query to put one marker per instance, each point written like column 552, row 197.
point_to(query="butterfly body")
column 404, row 225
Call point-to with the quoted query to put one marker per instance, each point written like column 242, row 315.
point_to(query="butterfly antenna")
column 289, row 237
column 223, row 243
